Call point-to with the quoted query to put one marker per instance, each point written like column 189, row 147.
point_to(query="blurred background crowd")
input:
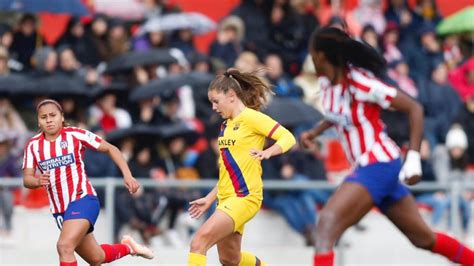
column 132, row 73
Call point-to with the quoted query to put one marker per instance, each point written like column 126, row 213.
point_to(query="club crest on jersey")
column 56, row 162
column 236, row 127
column 63, row 144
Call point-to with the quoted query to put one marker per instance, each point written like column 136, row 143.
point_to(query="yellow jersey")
column 239, row 173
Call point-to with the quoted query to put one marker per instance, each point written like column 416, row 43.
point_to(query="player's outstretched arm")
column 198, row 207
column 411, row 170
column 130, row 182
column 308, row 136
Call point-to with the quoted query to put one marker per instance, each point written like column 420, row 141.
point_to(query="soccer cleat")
column 137, row 249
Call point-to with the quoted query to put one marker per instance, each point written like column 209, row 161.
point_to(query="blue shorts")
column 381, row 180
column 85, row 208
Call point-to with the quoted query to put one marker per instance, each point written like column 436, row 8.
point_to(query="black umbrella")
column 292, row 112
column 198, row 81
column 129, row 60
column 56, row 85
column 13, row 83
column 180, row 129
column 139, row 132
column 118, row 88
column 150, row 133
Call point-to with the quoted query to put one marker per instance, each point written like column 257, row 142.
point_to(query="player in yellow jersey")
column 237, row 97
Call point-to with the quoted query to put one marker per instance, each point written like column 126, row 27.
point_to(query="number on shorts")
column 59, row 221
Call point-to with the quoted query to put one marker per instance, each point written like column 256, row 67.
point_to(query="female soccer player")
column 352, row 98
column 57, row 152
column 237, row 97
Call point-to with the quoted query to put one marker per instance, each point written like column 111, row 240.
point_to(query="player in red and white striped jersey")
column 57, row 153
column 352, row 99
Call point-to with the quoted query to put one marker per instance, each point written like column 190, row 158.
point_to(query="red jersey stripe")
column 273, row 130
column 57, row 177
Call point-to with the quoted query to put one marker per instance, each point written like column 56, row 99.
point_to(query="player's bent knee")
column 201, row 241
column 327, row 223
column 65, row 247
column 229, row 258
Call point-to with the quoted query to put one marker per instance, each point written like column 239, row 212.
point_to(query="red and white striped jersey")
column 63, row 158
column 354, row 107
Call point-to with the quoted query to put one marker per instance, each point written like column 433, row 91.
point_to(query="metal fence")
column 455, row 188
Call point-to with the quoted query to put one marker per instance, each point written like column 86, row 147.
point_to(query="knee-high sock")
column 324, row 259
column 195, row 259
column 248, row 259
column 115, row 251
column 453, row 250
column 74, row 263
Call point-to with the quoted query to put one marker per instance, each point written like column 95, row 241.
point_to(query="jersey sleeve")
column 29, row 160
column 266, row 126
column 367, row 88
column 87, row 138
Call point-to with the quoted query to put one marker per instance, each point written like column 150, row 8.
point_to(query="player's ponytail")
column 340, row 49
column 250, row 88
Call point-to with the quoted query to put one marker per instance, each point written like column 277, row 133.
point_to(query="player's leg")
column 349, row 203
column 96, row 254
column 229, row 249
column 90, row 251
column 217, row 227
column 72, row 233
column 404, row 214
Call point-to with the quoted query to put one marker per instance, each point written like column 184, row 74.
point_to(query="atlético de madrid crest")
column 63, row 144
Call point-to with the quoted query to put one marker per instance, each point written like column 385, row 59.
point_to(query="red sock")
column 74, row 263
column 453, row 250
column 324, row 259
column 114, row 252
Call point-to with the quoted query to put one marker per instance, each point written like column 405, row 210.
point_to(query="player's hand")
column 307, row 140
column 198, row 207
column 411, row 169
column 260, row 155
column 43, row 180
column 131, row 184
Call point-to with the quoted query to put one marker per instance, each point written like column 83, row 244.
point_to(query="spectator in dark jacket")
column 255, row 14
column 25, row 41
column 227, row 45
column 441, row 104
column 80, row 42
column 421, row 57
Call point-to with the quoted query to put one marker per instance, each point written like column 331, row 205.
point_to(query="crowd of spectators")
column 271, row 35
